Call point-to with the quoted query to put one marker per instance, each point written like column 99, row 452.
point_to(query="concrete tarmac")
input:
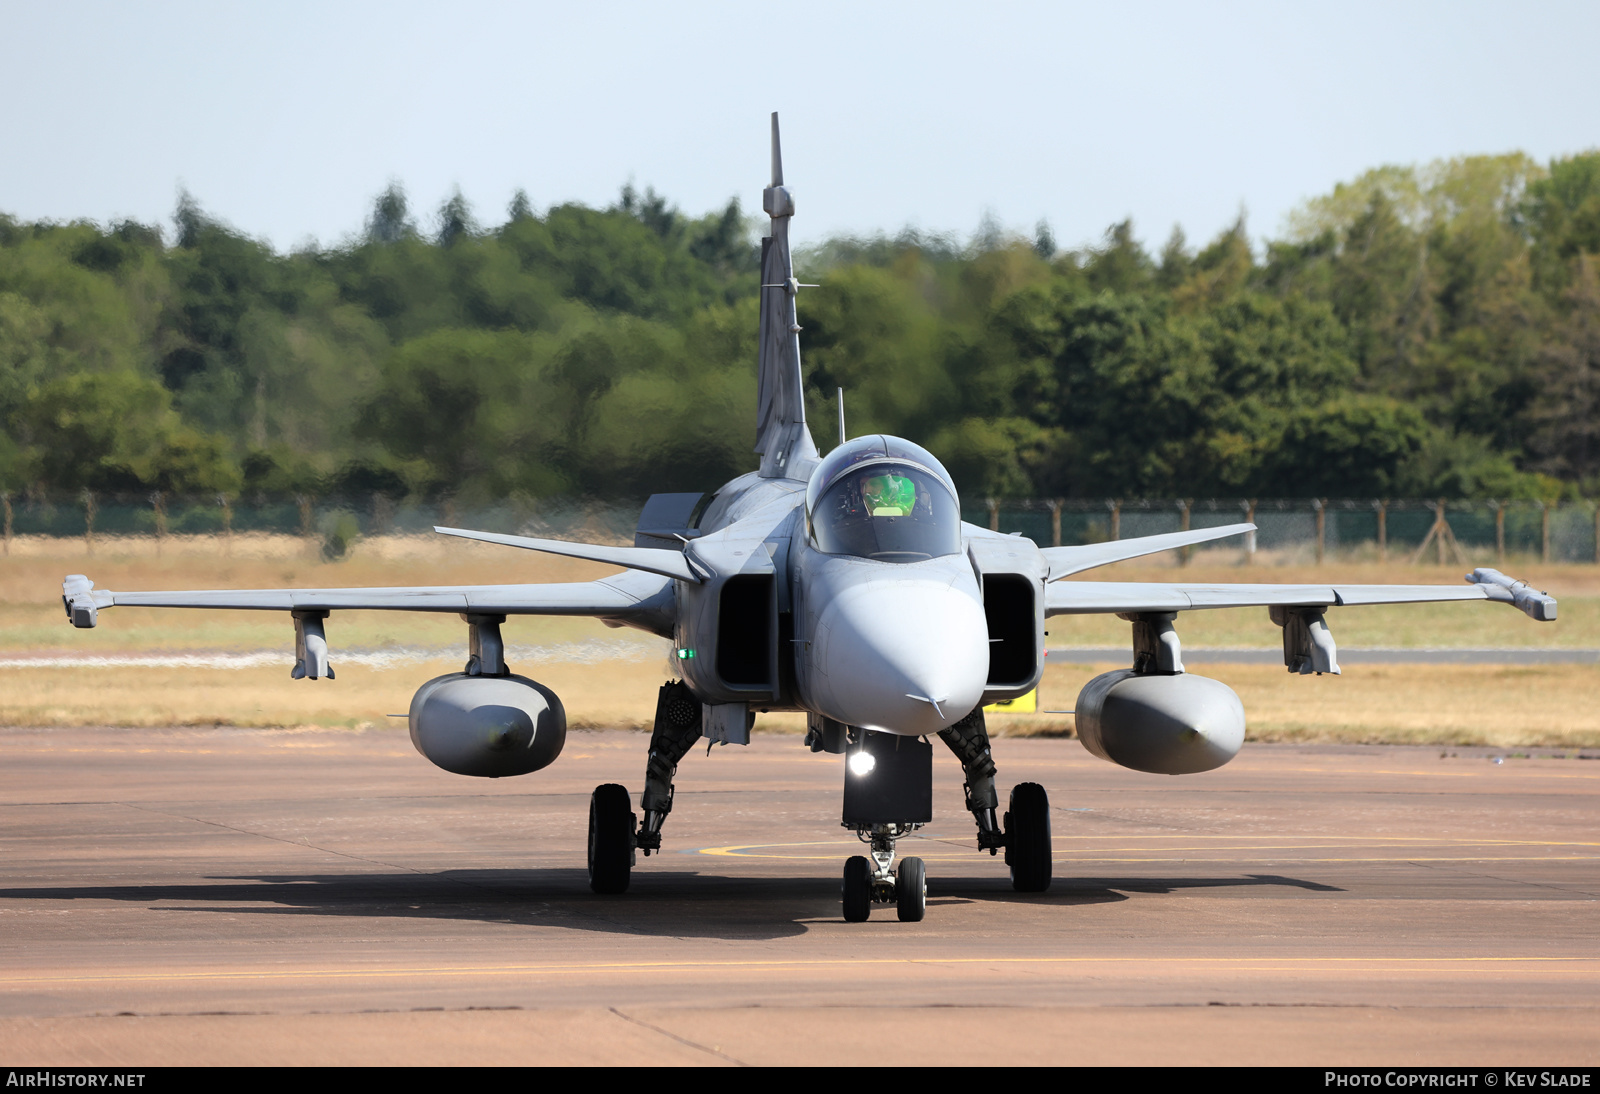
column 222, row 896
column 1348, row 655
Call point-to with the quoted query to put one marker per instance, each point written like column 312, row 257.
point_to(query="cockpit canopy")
column 883, row 498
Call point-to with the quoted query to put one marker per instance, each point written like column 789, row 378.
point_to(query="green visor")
column 889, row 495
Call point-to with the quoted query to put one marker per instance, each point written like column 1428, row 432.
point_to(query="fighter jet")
column 846, row 587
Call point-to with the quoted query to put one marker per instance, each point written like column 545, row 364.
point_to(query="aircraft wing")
column 1065, row 561
column 1092, row 597
column 653, row 560
column 625, row 596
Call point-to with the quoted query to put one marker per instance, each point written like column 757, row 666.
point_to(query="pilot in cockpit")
column 888, row 495
column 896, row 513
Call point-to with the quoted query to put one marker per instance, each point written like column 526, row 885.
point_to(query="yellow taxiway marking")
column 1298, row 843
column 1257, row 964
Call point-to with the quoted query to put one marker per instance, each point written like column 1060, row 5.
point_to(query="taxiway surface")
column 246, row 896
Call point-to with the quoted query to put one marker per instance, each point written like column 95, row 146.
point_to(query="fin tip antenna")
column 777, row 153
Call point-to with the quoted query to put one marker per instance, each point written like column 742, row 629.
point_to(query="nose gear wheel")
column 911, row 891
column 856, row 892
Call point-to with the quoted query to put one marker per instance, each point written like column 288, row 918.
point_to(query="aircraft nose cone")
column 909, row 657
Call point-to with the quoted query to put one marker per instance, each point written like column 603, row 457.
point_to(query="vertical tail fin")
column 782, row 438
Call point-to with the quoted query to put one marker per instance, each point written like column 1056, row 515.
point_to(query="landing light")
column 862, row 763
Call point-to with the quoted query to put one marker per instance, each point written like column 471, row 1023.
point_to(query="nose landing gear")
column 874, row 880
column 888, row 793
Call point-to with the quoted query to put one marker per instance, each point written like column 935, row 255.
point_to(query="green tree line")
column 1428, row 331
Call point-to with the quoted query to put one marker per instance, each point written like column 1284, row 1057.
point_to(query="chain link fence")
column 1312, row 529
column 1297, row 529
column 335, row 522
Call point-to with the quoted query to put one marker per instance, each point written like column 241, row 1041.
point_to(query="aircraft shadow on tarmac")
column 677, row 904
column 1099, row 890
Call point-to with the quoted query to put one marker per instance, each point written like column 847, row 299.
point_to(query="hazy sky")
column 286, row 119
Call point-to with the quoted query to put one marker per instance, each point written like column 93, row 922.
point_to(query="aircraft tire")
column 1027, row 826
column 911, row 890
column 856, row 893
column 611, row 823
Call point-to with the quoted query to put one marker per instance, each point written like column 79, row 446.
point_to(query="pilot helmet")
column 889, row 494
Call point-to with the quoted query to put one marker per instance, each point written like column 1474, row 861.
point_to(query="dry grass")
column 1504, row 706
column 606, row 694
column 1556, row 705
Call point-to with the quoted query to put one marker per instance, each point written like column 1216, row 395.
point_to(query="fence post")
column 1321, row 506
column 1500, row 532
column 1055, row 521
column 1250, row 537
column 994, row 514
column 382, row 514
column 227, row 523
column 5, row 497
column 87, row 497
column 1185, row 506
column 304, row 502
column 1116, row 520
column 1383, row 530
column 158, row 501
column 1544, row 531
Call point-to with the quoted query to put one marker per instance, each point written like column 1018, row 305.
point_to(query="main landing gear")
column 614, row 830
column 1024, row 831
column 888, row 793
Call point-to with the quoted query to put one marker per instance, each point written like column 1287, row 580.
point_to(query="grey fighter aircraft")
column 845, row 586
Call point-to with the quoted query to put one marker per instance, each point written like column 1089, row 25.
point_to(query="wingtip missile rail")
column 1525, row 598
